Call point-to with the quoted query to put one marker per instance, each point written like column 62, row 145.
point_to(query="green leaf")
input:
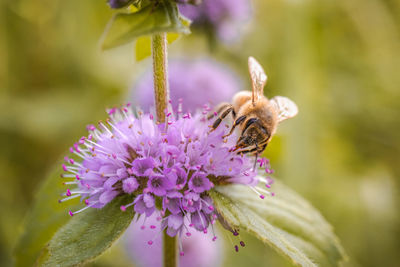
column 126, row 27
column 172, row 37
column 286, row 221
column 44, row 218
column 143, row 45
column 88, row 234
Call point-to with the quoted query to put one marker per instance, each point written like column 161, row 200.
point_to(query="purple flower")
column 210, row 81
column 174, row 224
column 144, row 204
column 199, row 183
column 173, row 164
column 194, row 245
column 143, row 166
column 225, row 17
column 159, row 184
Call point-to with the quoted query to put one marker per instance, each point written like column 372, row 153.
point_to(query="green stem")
column 170, row 251
column 161, row 94
column 160, row 74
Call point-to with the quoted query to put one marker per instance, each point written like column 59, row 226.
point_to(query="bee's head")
column 254, row 134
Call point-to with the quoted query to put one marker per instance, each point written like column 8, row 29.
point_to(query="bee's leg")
column 262, row 146
column 225, row 113
column 246, row 150
column 259, row 150
column 218, row 110
column 236, row 123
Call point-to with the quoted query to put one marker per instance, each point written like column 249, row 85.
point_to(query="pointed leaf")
column 126, row 27
column 172, row 37
column 88, row 234
column 287, row 222
column 143, row 47
column 44, row 218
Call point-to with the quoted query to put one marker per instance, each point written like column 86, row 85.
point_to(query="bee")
column 256, row 115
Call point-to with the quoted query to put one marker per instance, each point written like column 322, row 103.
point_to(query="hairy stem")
column 170, row 250
column 160, row 74
column 161, row 94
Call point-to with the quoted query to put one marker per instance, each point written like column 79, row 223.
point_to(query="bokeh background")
column 338, row 60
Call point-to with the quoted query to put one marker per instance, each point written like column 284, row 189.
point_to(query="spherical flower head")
column 210, row 81
column 194, row 245
column 167, row 168
column 225, row 17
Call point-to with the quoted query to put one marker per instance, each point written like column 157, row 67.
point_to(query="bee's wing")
column 258, row 79
column 285, row 108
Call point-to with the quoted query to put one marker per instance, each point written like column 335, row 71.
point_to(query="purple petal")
column 108, row 184
column 107, row 196
column 143, row 167
column 148, row 200
column 174, row 206
column 199, row 221
column 199, row 183
column 122, row 173
column 175, row 221
column 129, row 185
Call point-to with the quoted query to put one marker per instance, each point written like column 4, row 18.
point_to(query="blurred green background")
column 338, row 60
